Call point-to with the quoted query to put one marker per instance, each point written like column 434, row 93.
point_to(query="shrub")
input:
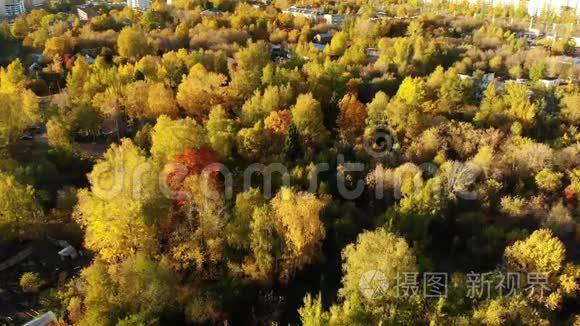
column 30, row 282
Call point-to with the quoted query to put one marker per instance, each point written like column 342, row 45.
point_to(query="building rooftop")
column 212, row 12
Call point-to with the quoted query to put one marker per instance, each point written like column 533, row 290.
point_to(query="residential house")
column 321, row 40
column 86, row 12
column 372, row 54
column 278, row 53
column 333, row 19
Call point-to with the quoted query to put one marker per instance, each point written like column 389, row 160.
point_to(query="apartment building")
column 315, row 14
column 139, row 4
column 12, row 8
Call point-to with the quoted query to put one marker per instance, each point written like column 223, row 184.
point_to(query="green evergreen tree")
column 292, row 147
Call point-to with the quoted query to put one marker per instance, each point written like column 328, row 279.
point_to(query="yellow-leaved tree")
column 297, row 221
column 540, row 257
column 116, row 212
column 171, row 137
column 19, row 209
column 284, row 236
column 200, row 91
column 19, row 107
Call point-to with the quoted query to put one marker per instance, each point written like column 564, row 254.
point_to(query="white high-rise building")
column 12, row 8
column 138, row 4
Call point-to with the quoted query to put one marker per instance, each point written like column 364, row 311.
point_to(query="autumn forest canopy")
column 251, row 163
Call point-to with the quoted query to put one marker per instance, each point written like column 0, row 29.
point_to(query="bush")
column 549, row 180
column 30, row 282
column 513, row 206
